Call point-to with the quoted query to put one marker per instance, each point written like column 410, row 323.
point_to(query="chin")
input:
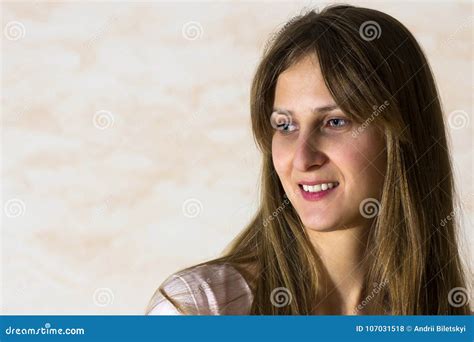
column 319, row 224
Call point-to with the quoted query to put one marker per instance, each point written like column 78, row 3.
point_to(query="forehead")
column 300, row 83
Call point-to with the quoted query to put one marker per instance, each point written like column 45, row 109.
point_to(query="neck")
column 342, row 253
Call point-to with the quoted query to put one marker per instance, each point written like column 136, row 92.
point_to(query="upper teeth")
column 319, row 187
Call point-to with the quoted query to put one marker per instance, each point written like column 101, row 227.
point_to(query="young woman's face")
column 314, row 146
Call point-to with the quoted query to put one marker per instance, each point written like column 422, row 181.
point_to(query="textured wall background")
column 126, row 144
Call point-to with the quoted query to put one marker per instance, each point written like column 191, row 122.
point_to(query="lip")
column 316, row 196
column 317, row 182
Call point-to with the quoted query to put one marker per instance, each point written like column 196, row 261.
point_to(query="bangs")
column 352, row 76
column 358, row 73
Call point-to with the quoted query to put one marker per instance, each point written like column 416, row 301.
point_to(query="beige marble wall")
column 127, row 151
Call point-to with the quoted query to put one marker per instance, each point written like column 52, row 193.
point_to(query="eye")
column 282, row 121
column 286, row 128
column 337, row 122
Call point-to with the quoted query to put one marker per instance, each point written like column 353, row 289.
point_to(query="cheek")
column 281, row 157
column 363, row 163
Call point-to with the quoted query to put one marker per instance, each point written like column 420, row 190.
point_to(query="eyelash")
column 345, row 120
column 281, row 128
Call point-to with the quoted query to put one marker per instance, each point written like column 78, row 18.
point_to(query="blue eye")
column 338, row 123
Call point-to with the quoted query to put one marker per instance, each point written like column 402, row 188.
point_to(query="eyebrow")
column 321, row 110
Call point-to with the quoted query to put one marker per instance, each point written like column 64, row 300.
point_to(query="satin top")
column 203, row 290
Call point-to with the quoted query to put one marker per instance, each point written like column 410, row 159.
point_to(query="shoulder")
column 210, row 289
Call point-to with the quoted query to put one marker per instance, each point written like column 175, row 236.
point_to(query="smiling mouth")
column 318, row 187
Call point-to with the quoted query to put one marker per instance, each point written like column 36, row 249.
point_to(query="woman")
column 356, row 182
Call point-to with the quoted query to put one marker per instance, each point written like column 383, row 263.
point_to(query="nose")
column 307, row 154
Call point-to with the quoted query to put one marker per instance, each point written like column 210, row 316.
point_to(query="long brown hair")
column 367, row 58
